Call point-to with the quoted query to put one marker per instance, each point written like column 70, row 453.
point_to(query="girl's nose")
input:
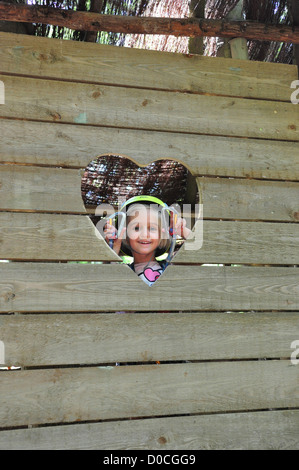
column 144, row 233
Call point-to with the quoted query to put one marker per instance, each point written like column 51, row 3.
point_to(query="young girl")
column 146, row 236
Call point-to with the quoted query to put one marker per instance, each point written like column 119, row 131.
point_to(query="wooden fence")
column 208, row 347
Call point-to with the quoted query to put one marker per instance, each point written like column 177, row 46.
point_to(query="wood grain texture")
column 93, row 393
column 75, row 146
column 70, row 339
column 87, row 104
column 243, row 242
column 29, row 236
column 54, row 58
column 67, row 103
column 40, row 189
column 68, row 287
column 60, row 237
column 263, row 430
column 249, row 199
column 89, row 21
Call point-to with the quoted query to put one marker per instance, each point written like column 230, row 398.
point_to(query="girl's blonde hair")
column 132, row 212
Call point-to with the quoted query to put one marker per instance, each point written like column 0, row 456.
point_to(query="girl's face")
column 143, row 232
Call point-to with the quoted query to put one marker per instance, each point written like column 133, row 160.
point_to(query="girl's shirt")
column 148, row 272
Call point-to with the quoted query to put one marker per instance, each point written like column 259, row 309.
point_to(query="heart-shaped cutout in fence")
column 144, row 213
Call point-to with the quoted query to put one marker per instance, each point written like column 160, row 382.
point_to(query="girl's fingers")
column 109, row 227
column 180, row 225
column 122, row 233
column 112, row 234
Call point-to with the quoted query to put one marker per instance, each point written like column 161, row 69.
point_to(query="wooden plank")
column 249, row 199
column 48, row 339
column 73, row 287
column 263, row 430
column 51, row 237
column 58, row 237
column 54, row 58
column 88, row 104
column 74, row 145
column 135, row 24
column 243, row 242
column 40, row 189
column 92, row 393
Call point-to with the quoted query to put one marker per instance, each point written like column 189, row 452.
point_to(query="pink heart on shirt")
column 151, row 275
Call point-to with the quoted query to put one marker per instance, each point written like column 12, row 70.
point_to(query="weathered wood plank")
column 263, row 430
column 40, row 189
column 27, row 236
column 73, row 287
column 54, row 58
column 93, row 393
column 249, row 199
column 243, row 242
column 74, row 145
column 70, row 339
column 88, row 104
column 58, row 237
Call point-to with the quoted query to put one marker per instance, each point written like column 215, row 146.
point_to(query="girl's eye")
column 153, row 229
column 136, row 228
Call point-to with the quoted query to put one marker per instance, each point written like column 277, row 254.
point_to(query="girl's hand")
column 181, row 229
column 110, row 233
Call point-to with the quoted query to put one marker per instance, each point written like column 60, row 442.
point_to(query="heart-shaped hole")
column 143, row 212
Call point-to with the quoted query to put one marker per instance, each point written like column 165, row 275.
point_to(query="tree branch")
column 190, row 27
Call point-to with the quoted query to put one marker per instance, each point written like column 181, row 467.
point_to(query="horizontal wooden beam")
column 71, row 287
column 235, row 431
column 189, row 27
column 69, row 395
column 98, row 105
column 36, row 340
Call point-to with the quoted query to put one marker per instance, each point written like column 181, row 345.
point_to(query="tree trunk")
column 197, row 10
column 96, row 7
column 238, row 46
column 235, row 47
